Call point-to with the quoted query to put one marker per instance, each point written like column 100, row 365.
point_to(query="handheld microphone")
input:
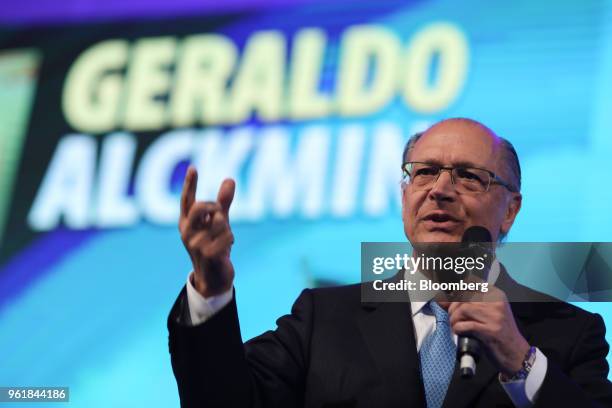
column 478, row 240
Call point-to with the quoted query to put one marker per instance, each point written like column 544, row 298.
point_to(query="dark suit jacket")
column 334, row 351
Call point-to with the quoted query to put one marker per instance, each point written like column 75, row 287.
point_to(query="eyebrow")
column 460, row 163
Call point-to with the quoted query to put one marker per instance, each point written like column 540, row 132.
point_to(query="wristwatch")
column 525, row 369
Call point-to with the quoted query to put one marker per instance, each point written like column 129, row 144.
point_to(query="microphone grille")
column 476, row 234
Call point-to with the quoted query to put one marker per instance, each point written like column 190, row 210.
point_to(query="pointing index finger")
column 189, row 190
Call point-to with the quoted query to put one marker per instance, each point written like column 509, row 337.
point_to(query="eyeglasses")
column 422, row 176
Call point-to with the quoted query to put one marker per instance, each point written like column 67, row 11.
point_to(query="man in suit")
column 335, row 351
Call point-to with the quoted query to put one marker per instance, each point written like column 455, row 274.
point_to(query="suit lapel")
column 388, row 332
column 462, row 392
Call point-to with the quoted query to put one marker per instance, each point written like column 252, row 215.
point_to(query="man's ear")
column 512, row 209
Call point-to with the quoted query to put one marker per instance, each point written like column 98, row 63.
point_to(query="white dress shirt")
column 521, row 392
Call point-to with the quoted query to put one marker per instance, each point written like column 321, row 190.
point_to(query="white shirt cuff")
column 523, row 393
column 201, row 308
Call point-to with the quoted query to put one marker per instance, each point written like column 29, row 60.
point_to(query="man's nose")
column 443, row 188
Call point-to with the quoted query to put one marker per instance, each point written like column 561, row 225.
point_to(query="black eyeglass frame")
column 494, row 178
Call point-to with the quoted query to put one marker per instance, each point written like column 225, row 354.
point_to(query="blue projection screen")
column 308, row 107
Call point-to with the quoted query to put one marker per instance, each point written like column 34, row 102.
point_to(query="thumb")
column 226, row 194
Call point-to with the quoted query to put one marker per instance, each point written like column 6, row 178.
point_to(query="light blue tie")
column 438, row 355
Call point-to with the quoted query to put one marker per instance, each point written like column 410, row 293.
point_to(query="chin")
column 438, row 236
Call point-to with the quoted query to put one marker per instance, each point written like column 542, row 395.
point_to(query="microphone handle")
column 468, row 354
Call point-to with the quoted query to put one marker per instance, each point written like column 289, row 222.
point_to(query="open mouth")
column 440, row 221
column 440, row 218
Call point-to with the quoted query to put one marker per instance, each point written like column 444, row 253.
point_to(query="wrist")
column 206, row 290
column 526, row 365
column 514, row 361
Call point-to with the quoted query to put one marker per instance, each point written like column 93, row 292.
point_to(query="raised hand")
column 206, row 233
